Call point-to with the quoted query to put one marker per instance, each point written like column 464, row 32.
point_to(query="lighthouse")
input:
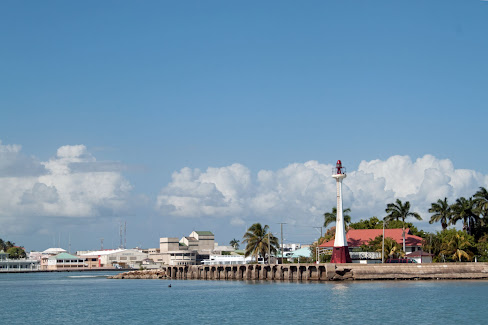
column 340, row 253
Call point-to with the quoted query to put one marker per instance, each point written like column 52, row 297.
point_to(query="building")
column 62, row 261
column 226, row 260
column 420, row 256
column 21, row 264
column 358, row 237
column 189, row 250
column 114, row 258
column 172, row 252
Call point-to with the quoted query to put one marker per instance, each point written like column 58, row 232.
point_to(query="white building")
column 226, row 259
column 21, row 264
column 125, row 258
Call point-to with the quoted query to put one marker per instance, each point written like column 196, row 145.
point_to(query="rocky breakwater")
column 145, row 274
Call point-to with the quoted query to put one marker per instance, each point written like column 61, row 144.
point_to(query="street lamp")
column 383, row 243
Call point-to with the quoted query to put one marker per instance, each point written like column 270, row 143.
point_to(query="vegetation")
column 398, row 211
column 256, row 240
column 234, row 243
column 447, row 245
column 441, row 212
column 5, row 245
column 392, row 248
column 16, row 252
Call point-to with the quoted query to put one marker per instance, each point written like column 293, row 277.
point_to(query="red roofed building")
column 357, row 237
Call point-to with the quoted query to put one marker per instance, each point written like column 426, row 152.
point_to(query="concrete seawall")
column 316, row 272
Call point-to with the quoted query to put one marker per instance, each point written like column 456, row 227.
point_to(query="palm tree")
column 8, row 244
column 331, row 217
column 400, row 211
column 464, row 210
column 234, row 243
column 457, row 247
column 256, row 240
column 481, row 201
column 441, row 212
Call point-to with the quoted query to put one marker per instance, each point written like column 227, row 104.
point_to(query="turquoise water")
column 90, row 298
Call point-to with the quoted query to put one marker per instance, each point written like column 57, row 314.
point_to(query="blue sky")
column 151, row 88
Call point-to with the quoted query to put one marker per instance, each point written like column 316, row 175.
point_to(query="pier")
column 315, row 272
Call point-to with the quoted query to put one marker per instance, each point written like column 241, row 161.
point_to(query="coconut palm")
column 234, row 243
column 400, row 211
column 256, row 240
column 331, row 217
column 457, row 247
column 441, row 212
column 481, row 201
column 464, row 209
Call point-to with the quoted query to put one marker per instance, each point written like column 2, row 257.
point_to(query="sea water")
column 91, row 298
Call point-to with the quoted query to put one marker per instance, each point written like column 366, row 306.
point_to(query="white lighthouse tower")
column 340, row 253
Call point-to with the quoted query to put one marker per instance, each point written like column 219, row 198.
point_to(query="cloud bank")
column 72, row 184
column 300, row 193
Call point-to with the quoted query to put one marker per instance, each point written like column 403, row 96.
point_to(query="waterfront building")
column 302, row 252
column 54, row 251
column 291, row 247
column 172, row 252
column 420, row 257
column 189, row 250
column 114, row 258
column 21, row 264
column 226, row 260
column 358, row 237
column 62, row 261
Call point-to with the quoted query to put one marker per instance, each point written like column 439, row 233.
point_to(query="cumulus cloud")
column 58, row 187
column 301, row 192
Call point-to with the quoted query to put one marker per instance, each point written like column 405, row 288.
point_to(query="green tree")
column 331, row 217
column 464, row 209
column 441, row 212
column 400, row 211
column 256, row 240
column 392, row 248
column 481, row 201
column 16, row 252
column 482, row 248
column 371, row 223
column 234, row 243
column 456, row 244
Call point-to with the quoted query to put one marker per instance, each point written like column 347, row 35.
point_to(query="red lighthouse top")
column 339, row 168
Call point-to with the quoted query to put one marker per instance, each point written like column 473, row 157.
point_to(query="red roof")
column 358, row 237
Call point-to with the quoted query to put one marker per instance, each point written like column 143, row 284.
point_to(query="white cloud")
column 57, row 189
column 301, row 192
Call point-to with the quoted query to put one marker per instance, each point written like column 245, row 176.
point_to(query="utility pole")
column 269, row 250
column 383, row 245
column 282, row 223
column 317, row 247
column 101, row 244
